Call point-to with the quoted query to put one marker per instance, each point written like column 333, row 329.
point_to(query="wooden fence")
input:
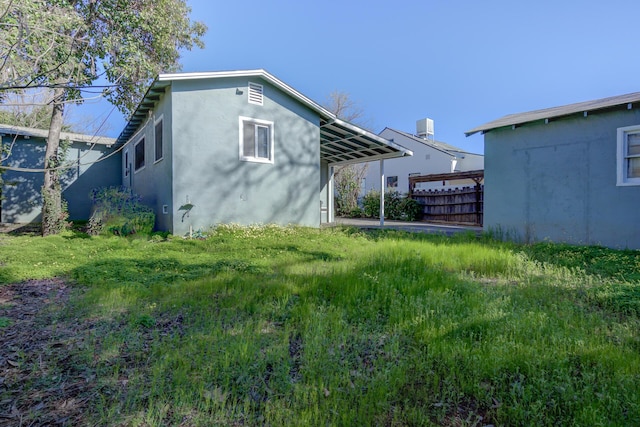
column 453, row 205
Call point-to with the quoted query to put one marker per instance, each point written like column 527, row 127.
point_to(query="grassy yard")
column 294, row 326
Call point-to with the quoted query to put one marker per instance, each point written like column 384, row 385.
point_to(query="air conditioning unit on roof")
column 424, row 129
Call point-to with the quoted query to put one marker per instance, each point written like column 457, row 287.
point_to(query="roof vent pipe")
column 424, row 129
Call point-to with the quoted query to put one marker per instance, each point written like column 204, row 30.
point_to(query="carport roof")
column 341, row 142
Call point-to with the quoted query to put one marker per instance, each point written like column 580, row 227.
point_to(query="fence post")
column 478, row 213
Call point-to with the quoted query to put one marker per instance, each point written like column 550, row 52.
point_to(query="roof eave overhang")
column 547, row 115
column 343, row 142
column 44, row 134
column 139, row 116
column 370, row 159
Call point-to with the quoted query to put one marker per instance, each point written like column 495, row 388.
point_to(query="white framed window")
column 256, row 140
column 628, row 156
column 138, row 155
column 255, row 93
column 158, row 141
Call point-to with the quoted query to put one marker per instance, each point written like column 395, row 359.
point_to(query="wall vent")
column 255, row 93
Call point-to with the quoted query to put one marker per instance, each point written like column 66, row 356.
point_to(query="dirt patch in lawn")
column 40, row 384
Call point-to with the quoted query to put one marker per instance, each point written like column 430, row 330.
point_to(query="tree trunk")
column 53, row 214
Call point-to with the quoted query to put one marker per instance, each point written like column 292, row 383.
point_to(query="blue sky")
column 461, row 63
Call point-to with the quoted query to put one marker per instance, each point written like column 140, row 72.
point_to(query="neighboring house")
column 429, row 157
column 238, row 147
column 92, row 162
column 566, row 174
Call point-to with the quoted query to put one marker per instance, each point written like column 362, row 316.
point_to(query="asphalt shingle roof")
column 554, row 112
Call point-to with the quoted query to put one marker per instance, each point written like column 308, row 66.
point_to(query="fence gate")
column 452, row 205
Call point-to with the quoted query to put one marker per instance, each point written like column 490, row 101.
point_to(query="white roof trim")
column 548, row 114
column 44, row 133
column 249, row 73
column 353, row 135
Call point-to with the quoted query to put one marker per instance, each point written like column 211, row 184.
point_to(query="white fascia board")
column 44, row 133
column 376, row 138
column 406, row 153
column 326, row 114
column 250, row 73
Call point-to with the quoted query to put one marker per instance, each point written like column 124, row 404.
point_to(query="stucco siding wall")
column 425, row 160
column 557, row 181
column 22, row 200
column 471, row 162
column 153, row 181
column 209, row 174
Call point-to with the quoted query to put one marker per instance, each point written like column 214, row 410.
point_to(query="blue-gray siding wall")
column 208, row 173
column 153, row 181
column 557, row 181
column 22, row 201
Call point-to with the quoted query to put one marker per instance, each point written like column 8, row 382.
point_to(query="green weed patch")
column 296, row 326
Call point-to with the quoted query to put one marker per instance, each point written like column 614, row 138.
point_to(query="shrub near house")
column 396, row 206
column 117, row 211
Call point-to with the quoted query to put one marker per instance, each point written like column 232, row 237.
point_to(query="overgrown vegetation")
column 348, row 185
column 119, row 212
column 396, row 206
column 295, row 326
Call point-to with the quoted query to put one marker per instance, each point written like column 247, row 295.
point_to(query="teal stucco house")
column 238, row 147
column 91, row 161
column 203, row 149
column 566, row 174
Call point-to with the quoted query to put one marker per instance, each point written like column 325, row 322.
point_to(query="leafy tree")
column 347, row 178
column 67, row 45
column 30, row 108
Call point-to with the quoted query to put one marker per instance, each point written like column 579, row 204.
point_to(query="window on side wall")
column 256, row 140
column 139, row 155
column 392, row 181
column 158, row 141
column 628, row 158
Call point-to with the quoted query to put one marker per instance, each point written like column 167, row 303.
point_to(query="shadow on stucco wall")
column 22, row 191
column 285, row 192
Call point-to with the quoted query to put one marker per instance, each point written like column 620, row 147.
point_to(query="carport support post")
column 330, row 213
column 381, row 192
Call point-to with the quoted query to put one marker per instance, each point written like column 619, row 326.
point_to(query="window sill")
column 628, row 183
column 256, row 160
